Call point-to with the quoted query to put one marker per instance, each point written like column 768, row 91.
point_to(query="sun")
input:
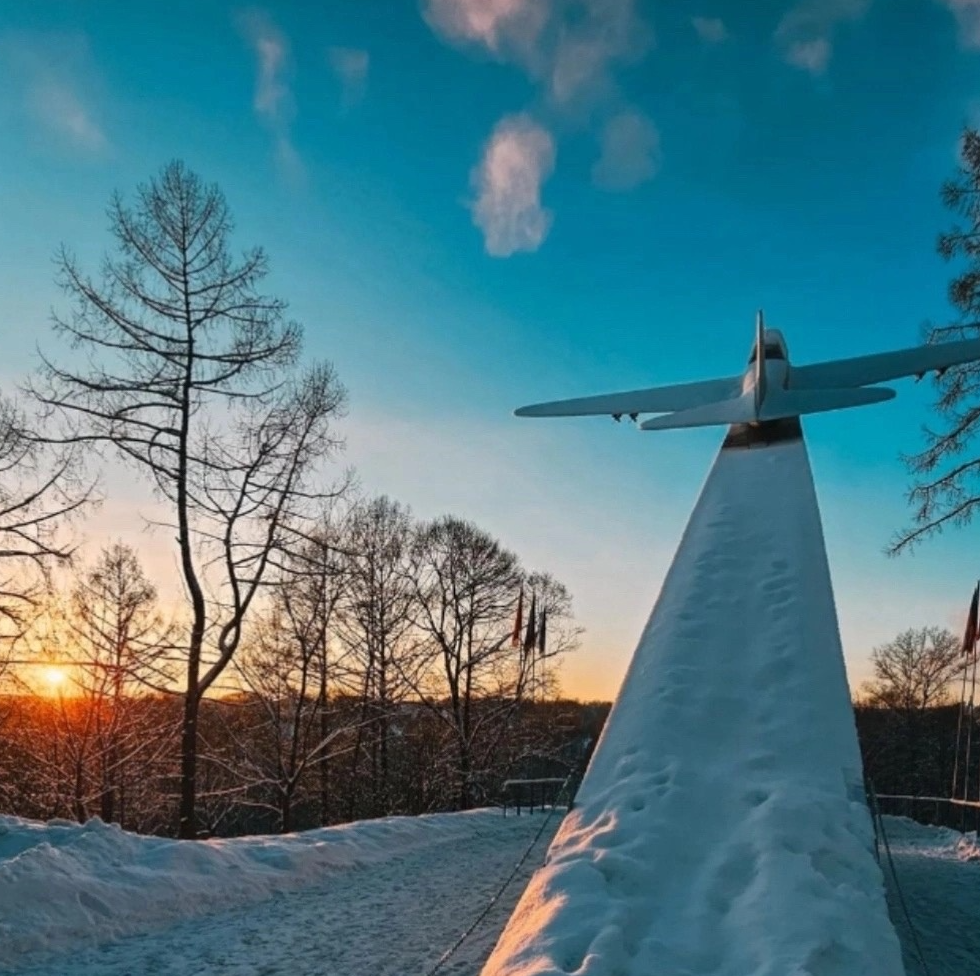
column 54, row 678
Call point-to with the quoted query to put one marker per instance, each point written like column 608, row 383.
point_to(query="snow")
column 393, row 913
column 370, row 897
column 721, row 828
column 938, row 872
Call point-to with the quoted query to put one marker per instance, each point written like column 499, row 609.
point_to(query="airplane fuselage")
column 775, row 365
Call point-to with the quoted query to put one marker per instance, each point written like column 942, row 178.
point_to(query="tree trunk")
column 285, row 811
column 187, row 817
column 464, row 776
column 324, row 758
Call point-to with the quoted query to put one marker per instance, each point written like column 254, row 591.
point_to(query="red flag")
column 970, row 637
column 531, row 634
column 542, row 629
column 515, row 637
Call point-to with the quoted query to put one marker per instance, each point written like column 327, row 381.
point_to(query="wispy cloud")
column 569, row 46
column 805, row 34
column 53, row 77
column 711, row 30
column 967, row 14
column 273, row 99
column 571, row 50
column 517, row 159
column 592, row 37
column 630, row 152
column 505, row 27
column 350, row 65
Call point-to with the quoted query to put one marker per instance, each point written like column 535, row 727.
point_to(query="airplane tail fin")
column 760, row 362
column 776, row 406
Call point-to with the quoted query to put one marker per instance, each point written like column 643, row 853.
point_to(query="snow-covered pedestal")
column 721, row 828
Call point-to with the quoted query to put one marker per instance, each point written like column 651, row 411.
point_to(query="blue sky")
column 473, row 204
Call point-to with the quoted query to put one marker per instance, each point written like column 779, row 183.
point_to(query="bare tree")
column 102, row 741
column 466, row 585
column 286, row 665
column 39, row 491
column 187, row 373
column 375, row 625
column 913, row 672
column 946, row 488
column 121, row 644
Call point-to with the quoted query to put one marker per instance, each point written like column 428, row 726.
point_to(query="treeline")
column 382, row 670
column 57, row 761
column 913, row 754
column 916, row 723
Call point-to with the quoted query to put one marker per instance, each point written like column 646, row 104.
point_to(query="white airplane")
column 770, row 389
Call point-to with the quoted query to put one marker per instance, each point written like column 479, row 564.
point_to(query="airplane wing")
column 862, row 370
column 657, row 399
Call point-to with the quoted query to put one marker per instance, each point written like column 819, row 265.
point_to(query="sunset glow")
column 54, row 679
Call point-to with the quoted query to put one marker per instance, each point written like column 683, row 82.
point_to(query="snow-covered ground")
column 389, row 906
column 721, row 828
column 938, row 872
column 376, row 898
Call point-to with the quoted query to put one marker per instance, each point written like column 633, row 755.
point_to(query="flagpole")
column 969, row 646
column 969, row 727
column 531, row 637
column 534, row 671
column 959, row 730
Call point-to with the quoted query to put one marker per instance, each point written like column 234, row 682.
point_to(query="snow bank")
column 721, row 827
column 906, row 836
column 62, row 883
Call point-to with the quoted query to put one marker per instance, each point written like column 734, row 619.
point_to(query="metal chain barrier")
column 454, row 948
column 879, row 823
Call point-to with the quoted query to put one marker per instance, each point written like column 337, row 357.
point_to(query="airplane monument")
column 721, row 828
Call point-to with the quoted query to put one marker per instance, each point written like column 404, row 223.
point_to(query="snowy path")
column 390, row 918
column 939, row 875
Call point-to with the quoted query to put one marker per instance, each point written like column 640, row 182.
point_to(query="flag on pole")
column 515, row 637
column 542, row 630
column 531, row 634
column 970, row 636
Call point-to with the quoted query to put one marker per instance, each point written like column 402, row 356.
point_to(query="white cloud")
column 570, row 49
column 630, row 152
column 350, row 65
column 711, row 30
column 59, row 105
column 593, row 36
column 53, row 77
column 811, row 56
column 273, row 100
column 517, row 159
column 967, row 14
column 569, row 46
column 498, row 25
column 804, row 36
